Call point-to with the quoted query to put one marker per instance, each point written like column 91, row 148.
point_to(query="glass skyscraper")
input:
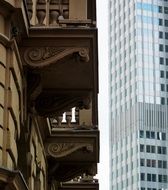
column 139, row 94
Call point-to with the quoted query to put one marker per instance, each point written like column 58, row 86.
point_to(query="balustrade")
column 58, row 13
column 68, row 119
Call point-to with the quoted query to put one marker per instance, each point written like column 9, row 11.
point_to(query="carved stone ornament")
column 58, row 150
column 44, row 56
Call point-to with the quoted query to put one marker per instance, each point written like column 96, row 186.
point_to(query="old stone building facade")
column 49, row 137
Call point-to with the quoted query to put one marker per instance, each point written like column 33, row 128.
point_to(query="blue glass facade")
column 139, row 94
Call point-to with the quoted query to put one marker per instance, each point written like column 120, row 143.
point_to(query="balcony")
column 62, row 13
column 71, row 145
column 57, row 44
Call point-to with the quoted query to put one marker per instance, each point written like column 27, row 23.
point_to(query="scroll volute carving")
column 56, row 105
column 58, row 150
column 38, row 57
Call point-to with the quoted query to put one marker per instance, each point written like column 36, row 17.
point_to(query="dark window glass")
column 161, row 61
column 164, row 178
column 148, row 134
column 166, row 61
column 159, row 9
column 142, row 176
column 142, row 148
column 159, row 163
column 164, row 164
column 166, row 22
column 166, row 35
column 162, row 74
column 161, row 47
column 152, row 149
column 154, row 177
column 167, row 87
column 152, row 135
column 148, row 177
column 142, row 162
column 166, row 10
column 164, row 150
column 160, row 22
column 159, row 150
column 167, row 74
column 148, row 163
column 162, row 87
column 147, row 148
column 164, row 134
column 160, row 178
column 142, row 188
column 166, row 48
column 160, row 34
column 141, row 134
column 163, row 101
column 153, row 163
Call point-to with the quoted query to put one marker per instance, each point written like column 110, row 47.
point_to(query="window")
column 159, row 9
column 159, row 150
column 152, row 149
column 162, row 100
column 166, row 35
column 164, row 136
column 160, row 22
column 142, row 148
column 164, row 164
column 154, row 177
column 162, row 87
column 167, row 74
column 153, row 163
column 142, row 176
column 162, row 74
column 141, row 134
column 142, row 162
column 148, row 177
column 166, row 22
column 166, row 61
column 159, row 163
column 164, row 150
column 161, row 47
column 161, row 61
column 166, row 48
column 160, row 34
column 166, row 10
column 159, row 178
column 148, row 163
column 147, row 148
column 148, row 134
column 152, row 135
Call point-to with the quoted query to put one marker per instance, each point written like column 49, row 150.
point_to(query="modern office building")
column 139, row 94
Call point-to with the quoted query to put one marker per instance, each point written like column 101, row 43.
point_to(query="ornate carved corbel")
column 39, row 57
column 58, row 150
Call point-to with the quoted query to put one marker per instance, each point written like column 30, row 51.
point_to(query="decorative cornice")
column 39, row 57
column 58, row 150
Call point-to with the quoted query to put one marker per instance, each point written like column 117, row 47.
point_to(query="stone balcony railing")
column 60, row 13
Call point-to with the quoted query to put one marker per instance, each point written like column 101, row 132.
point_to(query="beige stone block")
column 10, row 164
column 0, row 157
column 1, row 95
column 1, row 137
column 2, row 53
column 78, row 9
column 15, row 101
column 2, row 73
column 1, row 116
column 11, row 146
column 2, row 25
column 17, row 71
column 85, row 117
